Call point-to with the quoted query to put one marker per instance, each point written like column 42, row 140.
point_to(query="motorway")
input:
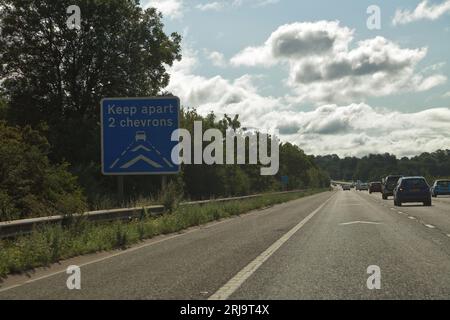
column 318, row 247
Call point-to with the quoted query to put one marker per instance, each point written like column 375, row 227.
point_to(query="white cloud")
column 217, row 58
column 224, row 4
column 322, row 68
column 376, row 67
column 434, row 67
column 295, row 41
column 254, row 3
column 211, row 6
column 347, row 130
column 358, row 129
column 424, row 11
column 238, row 96
column 169, row 8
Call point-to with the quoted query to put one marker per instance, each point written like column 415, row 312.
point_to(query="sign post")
column 137, row 136
column 120, row 189
column 284, row 182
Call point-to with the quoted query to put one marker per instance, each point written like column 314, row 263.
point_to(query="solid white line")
column 93, row 261
column 129, row 250
column 234, row 283
column 113, row 255
column 430, row 226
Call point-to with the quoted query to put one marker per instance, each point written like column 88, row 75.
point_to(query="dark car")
column 412, row 189
column 375, row 187
column 346, row 187
column 440, row 188
column 388, row 184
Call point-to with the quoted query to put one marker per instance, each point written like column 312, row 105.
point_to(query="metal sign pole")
column 120, row 189
column 163, row 182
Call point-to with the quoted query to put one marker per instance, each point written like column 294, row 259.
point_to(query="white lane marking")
column 430, row 226
column 358, row 222
column 448, row 235
column 412, row 218
column 234, row 283
column 129, row 250
column 144, row 245
column 97, row 260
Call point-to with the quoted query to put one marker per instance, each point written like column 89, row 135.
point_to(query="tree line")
column 376, row 166
column 52, row 81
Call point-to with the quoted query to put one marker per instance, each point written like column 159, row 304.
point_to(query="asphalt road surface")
column 318, row 247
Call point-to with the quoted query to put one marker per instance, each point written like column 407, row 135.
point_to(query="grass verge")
column 51, row 243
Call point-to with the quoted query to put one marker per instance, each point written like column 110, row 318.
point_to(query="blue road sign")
column 136, row 135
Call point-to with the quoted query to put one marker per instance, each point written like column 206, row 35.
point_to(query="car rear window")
column 414, row 183
column 392, row 179
column 443, row 183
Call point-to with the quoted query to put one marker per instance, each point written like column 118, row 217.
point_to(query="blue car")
column 440, row 188
column 412, row 189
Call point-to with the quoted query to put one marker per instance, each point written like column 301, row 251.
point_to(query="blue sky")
column 361, row 95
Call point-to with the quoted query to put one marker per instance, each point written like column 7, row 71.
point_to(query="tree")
column 3, row 109
column 57, row 76
column 376, row 166
column 29, row 184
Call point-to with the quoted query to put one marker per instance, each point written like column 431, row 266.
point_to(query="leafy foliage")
column 29, row 184
column 54, row 75
column 205, row 181
column 375, row 166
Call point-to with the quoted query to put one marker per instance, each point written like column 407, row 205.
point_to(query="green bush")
column 29, row 184
column 171, row 196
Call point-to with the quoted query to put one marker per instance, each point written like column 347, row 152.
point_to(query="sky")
column 334, row 77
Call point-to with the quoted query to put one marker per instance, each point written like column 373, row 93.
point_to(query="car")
column 346, row 187
column 375, row 186
column 412, row 189
column 363, row 187
column 141, row 136
column 388, row 184
column 440, row 188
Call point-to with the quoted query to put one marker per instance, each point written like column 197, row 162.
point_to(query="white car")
column 364, row 186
